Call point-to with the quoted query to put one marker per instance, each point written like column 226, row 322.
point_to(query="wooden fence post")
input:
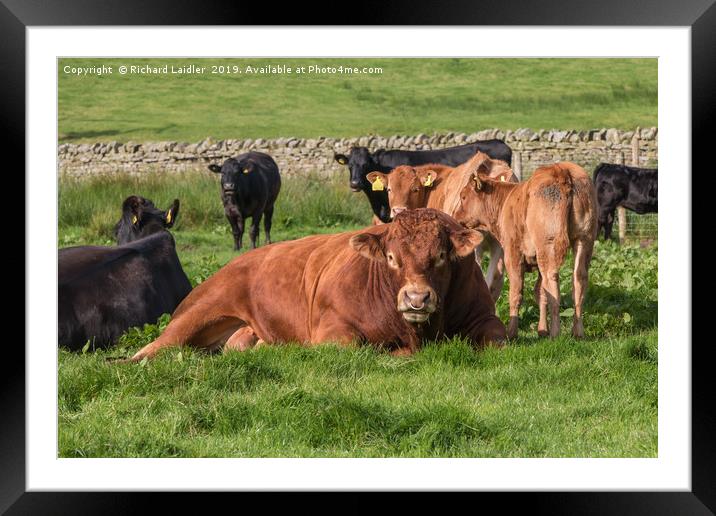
column 517, row 165
column 621, row 212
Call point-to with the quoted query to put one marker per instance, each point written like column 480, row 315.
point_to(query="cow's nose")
column 355, row 184
column 417, row 300
column 396, row 210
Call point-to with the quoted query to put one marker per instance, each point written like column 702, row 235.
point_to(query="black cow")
column 250, row 184
column 619, row 185
column 141, row 218
column 103, row 291
column 361, row 162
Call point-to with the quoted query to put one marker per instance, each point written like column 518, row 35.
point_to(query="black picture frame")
column 700, row 15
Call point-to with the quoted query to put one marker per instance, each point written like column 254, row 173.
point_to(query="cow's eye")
column 392, row 262
column 387, row 189
column 440, row 260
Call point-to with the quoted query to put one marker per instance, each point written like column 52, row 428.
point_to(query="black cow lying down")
column 361, row 162
column 634, row 188
column 104, row 291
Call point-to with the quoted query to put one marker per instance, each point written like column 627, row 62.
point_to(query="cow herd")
column 413, row 276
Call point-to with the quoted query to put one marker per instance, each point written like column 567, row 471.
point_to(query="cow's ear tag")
column 428, row 180
column 378, row 185
column 246, row 171
column 134, row 219
column 342, row 161
column 169, row 217
column 502, row 178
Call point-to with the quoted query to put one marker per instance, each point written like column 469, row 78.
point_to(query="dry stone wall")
column 309, row 155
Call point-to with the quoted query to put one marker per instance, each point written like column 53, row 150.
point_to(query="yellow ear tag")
column 428, row 181
column 502, row 178
column 169, row 217
column 378, row 185
column 246, row 171
column 134, row 219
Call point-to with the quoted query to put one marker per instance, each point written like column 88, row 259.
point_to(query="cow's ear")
column 368, row 245
column 377, row 179
column 132, row 208
column 503, row 175
column 477, row 182
column 464, row 241
column 247, row 167
column 342, row 159
column 170, row 216
column 427, row 177
column 216, row 169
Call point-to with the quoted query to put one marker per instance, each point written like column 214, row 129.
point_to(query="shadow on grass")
column 616, row 301
column 90, row 134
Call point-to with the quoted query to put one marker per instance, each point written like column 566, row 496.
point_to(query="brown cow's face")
column 405, row 186
column 418, row 248
column 471, row 208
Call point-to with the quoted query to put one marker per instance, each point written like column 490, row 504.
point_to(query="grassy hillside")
column 410, row 96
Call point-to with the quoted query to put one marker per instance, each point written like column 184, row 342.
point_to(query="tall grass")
column 93, row 205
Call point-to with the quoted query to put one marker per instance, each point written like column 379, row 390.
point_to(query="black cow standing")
column 104, row 291
column 633, row 188
column 361, row 162
column 250, row 184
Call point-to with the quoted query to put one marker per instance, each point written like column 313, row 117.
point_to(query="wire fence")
column 635, row 227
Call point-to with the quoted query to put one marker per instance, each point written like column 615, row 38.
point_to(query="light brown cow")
column 436, row 186
column 392, row 285
column 536, row 222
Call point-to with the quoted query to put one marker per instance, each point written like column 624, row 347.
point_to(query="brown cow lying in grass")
column 392, row 285
column 436, row 186
column 536, row 222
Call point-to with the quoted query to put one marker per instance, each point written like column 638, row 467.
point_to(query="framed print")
column 464, row 217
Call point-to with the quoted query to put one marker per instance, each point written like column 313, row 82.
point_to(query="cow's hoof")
column 512, row 328
column 542, row 333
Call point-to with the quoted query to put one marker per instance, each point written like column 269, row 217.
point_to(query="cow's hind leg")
column 582, row 258
column 190, row 329
column 549, row 263
column 254, row 234
column 268, row 217
column 541, row 298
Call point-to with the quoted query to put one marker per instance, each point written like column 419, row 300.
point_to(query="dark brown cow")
column 392, row 286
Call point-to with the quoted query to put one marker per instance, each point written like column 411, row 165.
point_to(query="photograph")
column 357, row 257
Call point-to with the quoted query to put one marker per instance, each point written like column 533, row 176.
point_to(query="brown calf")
column 437, row 186
column 536, row 222
column 392, row 285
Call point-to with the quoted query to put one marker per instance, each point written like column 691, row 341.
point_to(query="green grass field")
column 411, row 96
column 535, row 398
